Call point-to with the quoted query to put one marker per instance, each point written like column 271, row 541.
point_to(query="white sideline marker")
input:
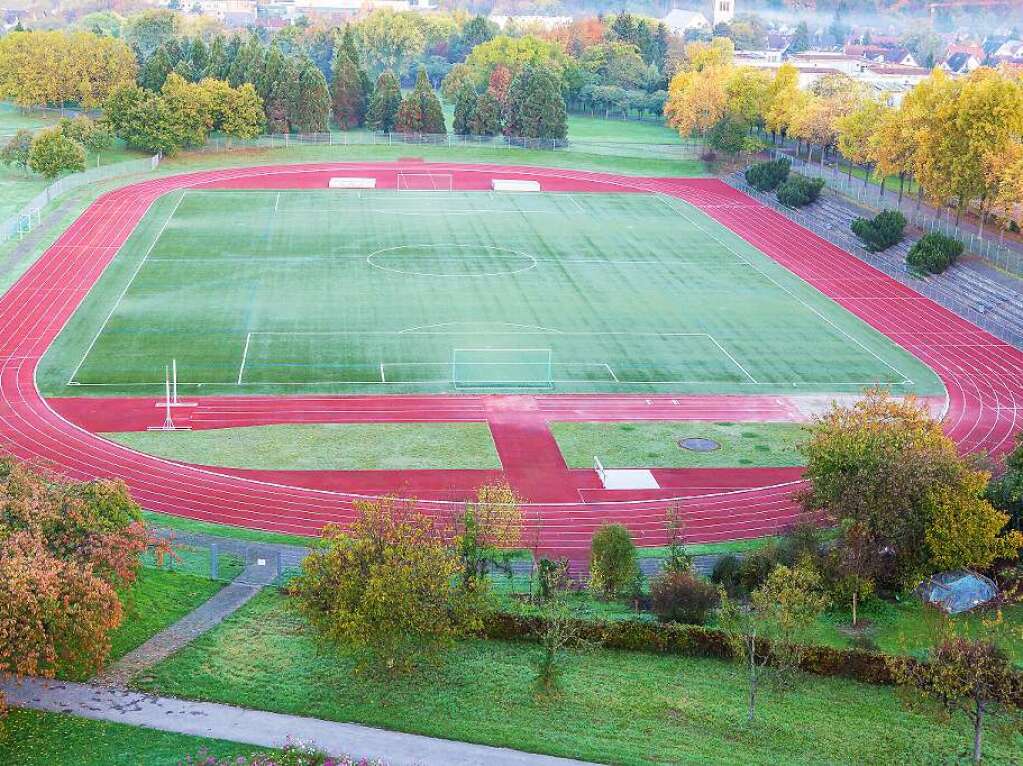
column 512, row 185
column 168, row 421
column 352, row 182
column 172, row 391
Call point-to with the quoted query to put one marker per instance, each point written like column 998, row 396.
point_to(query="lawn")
column 158, row 599
column 251, row 293
column 583, row 128
column 18, row 187
column 50, row 739
column 326, row 447
column 618, row 707
column 654, row 444
column 192, row 526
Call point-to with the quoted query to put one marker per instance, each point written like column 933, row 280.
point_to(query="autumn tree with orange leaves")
column 66, row 548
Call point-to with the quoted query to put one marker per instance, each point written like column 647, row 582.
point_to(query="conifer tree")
column 383, row 107
column 486, row 121
column 535, row 107
column 465, row 110
column 313, row 112
column 348, row 94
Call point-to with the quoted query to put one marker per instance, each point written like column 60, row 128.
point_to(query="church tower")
column 724, row 11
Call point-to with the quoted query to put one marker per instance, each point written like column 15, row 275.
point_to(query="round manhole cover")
column 698, row 444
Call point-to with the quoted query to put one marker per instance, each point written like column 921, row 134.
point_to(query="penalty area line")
column 245, row 355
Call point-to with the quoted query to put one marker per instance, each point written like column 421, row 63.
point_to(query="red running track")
column 980, row 372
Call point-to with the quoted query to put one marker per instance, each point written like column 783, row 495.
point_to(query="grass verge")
column 195, row 527
column 618, row 707
column 44, row 739
column 327, row 446
column 654, row 444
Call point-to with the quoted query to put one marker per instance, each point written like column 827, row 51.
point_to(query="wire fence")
column 934, row 288
column 991, row 248
column 685, row 149
column 29, row 216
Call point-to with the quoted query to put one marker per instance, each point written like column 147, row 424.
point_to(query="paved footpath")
column 224, row 603
column 209, row 720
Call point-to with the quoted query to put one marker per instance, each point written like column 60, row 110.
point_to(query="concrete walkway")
column 210, row 614
column 204, row 719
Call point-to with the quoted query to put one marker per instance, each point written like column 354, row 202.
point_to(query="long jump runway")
column 982, row 376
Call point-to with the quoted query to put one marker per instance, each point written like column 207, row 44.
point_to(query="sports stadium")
column 496, row 304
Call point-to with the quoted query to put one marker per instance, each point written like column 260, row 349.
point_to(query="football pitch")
column 329, row 291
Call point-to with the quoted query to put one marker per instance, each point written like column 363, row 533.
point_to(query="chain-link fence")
column 229, row 560
column 685, row 149
column 992, row 247
column 28, row 217
column 932, row 288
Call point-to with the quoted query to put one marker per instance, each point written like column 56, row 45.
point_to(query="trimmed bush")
column 766, row 176
column 698, row 641
column 614, row 571
column 682, row 597
column 933, row 253
column 882, row 231
column 799, row 191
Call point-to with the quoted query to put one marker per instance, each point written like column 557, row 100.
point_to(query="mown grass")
column 193, row 526
column 327, row 446
column 33, row 738
column 617, row 707
column 654, row 444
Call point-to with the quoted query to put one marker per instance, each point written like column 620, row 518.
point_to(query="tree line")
column 959, row 139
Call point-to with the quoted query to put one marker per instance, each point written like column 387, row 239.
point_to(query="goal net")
column 424, row 182
column 501, row 368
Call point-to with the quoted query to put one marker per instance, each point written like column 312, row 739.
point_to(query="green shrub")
column 882, row 231
column 682, row 597
column 698, row 641
column 613, row 567
column 726, row 574
column 766, row 176
column 799, row 191
column 933, row 253
column 756, row 566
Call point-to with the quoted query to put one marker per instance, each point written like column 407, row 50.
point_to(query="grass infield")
column 326, row 447
column 654, row 444
column 342, row 292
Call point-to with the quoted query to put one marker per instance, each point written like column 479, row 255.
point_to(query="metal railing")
column 930, row 287
column 28, row 217
column 873, row 196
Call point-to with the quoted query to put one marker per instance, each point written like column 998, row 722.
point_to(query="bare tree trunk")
column 902, row 185
column 751, row 710
column 855, row 599
column 978, row 731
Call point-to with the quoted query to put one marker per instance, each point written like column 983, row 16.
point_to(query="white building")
column 724, row 11
column 679, row 22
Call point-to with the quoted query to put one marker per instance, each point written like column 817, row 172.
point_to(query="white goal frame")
column 431, row 182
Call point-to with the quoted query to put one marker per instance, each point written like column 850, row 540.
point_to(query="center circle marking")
column 517, row 261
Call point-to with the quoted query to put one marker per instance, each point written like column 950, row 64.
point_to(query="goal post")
column 425, row 181
column 502, row 368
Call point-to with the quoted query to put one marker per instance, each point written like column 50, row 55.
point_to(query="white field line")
column 245, row 355
column 277, row 202
column 142, row 262
column 575, row 202
column 734, row 360
column 783, row 288
column 612, row 373
column 383, row 378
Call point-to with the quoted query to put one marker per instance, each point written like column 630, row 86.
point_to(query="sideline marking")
column 102, row 327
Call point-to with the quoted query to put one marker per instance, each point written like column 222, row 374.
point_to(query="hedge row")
column 697, row 641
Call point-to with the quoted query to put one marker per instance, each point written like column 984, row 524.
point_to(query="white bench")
column 349, row 182
column 511, row 185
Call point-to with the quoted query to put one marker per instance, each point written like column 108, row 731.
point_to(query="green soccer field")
column 388, row 292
